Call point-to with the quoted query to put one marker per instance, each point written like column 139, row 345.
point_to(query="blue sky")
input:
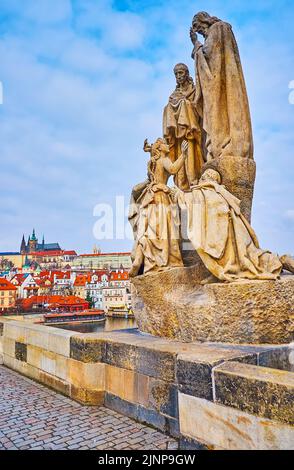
column 85, row 81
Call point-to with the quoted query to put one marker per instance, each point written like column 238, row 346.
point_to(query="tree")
column 89, row 299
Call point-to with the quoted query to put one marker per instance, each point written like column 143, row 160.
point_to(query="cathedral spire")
column 23, row 245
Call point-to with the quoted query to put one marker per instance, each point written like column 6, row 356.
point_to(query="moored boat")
column 69, row 317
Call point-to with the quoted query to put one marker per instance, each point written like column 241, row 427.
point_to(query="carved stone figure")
column 223, row 238
column 154, row 216
column 181, row 121
column 221, row 97
column 221, row 101
column 223, row 286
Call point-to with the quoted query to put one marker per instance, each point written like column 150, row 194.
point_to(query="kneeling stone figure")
column 223, row 238
column 154, row 215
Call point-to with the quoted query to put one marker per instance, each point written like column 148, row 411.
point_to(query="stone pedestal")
column 173, row 304
column 238, row 175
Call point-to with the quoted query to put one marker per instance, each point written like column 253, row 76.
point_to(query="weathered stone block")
column 22, row 367
column 38, row 336
column 231, row 429
column 48, row 362
column 130, row 386
column 278, row 358
column 16, row 331
column 114, row 381
column 195, row 378
column 152, row 418
column 248, row 312
column 173, row 427
column 85, row 349
column 190, row 444
column 120, row 355
column 87, row 397
column 123, row 383
column 121, row 406
column 156, row 363
column 89, row 376
column 62, row 367
column 194, row 368
column 59, row 342
column 55, row 383
column 261, row 391
column 163, row 397
column 21, row 352
column 143, row 389
column 8, row 346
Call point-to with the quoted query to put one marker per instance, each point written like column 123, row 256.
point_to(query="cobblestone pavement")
column 34, row 417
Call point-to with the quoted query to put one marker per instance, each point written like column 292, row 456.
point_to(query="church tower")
column 23, row 247
column 33, row 242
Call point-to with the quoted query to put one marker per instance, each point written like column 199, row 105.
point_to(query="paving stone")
column 37, row 418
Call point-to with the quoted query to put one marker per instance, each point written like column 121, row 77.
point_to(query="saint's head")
column 202, row 22
column 211, row 175
column 159, row 147
column 182, row 75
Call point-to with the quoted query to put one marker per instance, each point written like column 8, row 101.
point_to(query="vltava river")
column 109, row 324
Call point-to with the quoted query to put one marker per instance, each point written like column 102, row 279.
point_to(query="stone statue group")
column 207, row 145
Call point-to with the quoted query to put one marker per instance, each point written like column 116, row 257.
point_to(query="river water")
column 109, row 324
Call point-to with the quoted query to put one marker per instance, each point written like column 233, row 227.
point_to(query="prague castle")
column 33, row 246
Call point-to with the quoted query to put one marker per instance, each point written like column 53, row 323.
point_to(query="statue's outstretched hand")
column 193, row 36
column 184, row 148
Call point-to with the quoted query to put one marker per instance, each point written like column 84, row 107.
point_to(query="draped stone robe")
column 181, row 122
column 221, row 98
column 154, row 217
column 223, row 238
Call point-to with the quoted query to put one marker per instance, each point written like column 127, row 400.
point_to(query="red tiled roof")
column 19, row 278
column 58, row 274
column 6, row 285
column 120, row 276
column 53, row 301
column 44, row 282
column 100, row 273
column 47, row 253
column 82, row 279
column 62, row 275
column 54, row 253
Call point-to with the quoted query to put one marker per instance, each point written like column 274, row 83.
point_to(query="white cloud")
column 81, row 98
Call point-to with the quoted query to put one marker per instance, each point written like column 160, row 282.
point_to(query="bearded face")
column 182, row 75
column 199, row 26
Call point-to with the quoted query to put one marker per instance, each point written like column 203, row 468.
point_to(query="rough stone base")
column 173, row 304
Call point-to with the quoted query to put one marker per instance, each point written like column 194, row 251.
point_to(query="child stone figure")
column 154, row 215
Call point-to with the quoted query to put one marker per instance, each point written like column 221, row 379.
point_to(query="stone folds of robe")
column 221, row 97
column 158, row 228
column 181, row 121
column 223, row 238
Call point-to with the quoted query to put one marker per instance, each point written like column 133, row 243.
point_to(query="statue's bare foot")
column 288, row 263
column 209, row 280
